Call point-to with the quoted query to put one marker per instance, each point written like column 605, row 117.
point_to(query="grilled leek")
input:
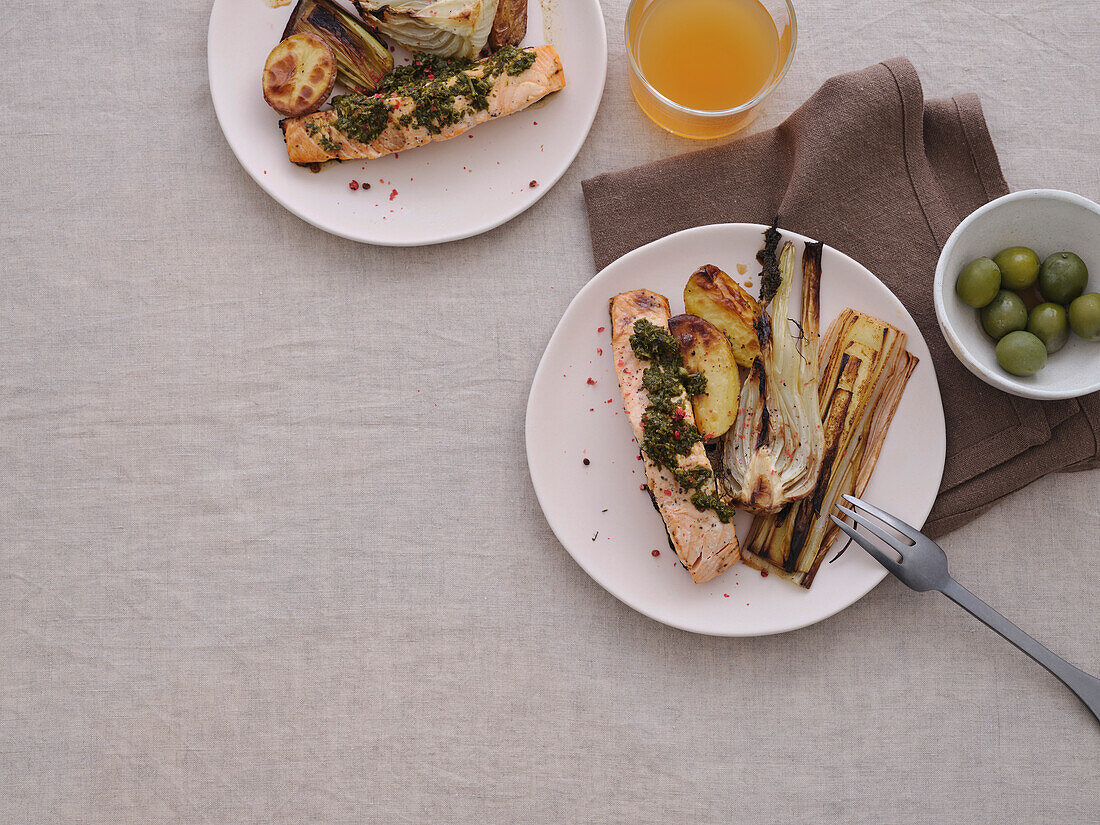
column 861, row 385
column 361, row 61
column 772, row 454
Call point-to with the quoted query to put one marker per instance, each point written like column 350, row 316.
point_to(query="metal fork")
column 923, row 566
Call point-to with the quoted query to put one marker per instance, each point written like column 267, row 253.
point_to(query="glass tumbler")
column 702, row 123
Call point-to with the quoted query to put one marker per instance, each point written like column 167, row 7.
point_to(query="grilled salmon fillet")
column 314, row 138
column 703, row 543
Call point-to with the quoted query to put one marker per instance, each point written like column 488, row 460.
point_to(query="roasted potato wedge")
column 299, row 74
column 713, row 295
column 707, row 350
column 510, row 24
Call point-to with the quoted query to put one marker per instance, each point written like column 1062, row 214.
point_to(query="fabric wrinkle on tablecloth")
column 874, row 170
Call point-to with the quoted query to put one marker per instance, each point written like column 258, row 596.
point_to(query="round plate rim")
column 581, row 295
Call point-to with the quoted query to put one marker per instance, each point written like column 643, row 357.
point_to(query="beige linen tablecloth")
column 268, row 548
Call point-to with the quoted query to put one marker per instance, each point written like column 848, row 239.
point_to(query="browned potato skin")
column 509, row 25
column 299, row 75
column 707, row 350
column 714, row 296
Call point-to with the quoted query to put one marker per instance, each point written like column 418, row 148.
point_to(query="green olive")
column 1062, row 277
column 1019, row 266
column 1047, row 322
column 978, row 283
column 1084, row 316
column 1021, row 353
column 1004, row 314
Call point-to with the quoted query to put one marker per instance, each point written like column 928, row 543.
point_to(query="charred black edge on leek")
column 769, row 263
column 811, row 258
column 811, row 284
column 331, row 24
column 370, row 15
column 770, row 279
column 765, row 417
column 805, row 515
column 910, row 364
column 811, row 267
column 762, row 325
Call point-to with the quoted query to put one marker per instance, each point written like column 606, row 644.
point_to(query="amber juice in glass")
column 700, row 68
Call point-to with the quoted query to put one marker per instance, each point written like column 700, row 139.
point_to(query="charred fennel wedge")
column 772, row 454
column 446, row 28
column 361, row 60
column 861, row 385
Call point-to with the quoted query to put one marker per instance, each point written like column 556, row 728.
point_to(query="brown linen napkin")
column 871, row 168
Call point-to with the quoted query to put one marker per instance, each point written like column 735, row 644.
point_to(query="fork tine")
column 895, row 522
column 869, row 546
column 871, row 527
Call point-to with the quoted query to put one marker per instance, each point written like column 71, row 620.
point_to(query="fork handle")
column 1084, row 686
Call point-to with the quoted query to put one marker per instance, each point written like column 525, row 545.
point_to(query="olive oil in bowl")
column 699, row 67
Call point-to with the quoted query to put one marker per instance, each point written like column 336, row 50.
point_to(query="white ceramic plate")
column 444, row 191
column 569, row 420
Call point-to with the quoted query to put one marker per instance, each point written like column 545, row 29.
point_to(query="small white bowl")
column 1048, row 221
